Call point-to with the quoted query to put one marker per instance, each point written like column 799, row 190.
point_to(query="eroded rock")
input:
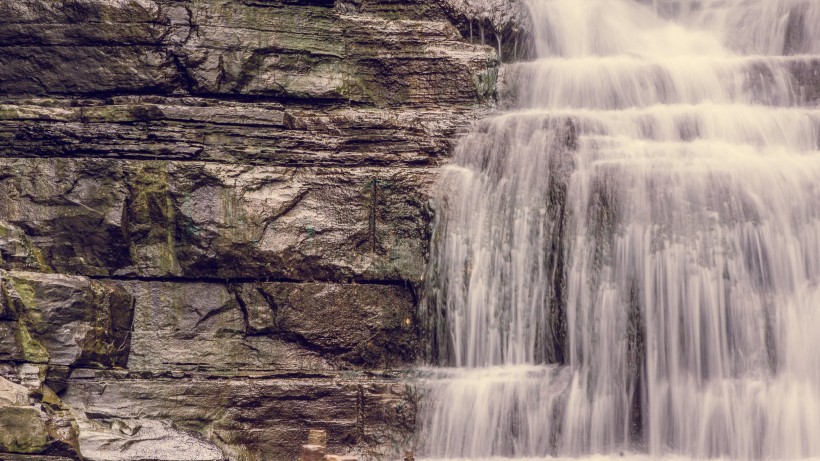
column 251, row 179
column 267, row 326
column 65, row 320
column 33, row 420
column 259, row 415
column 142, row 440
column 203, row 220
column 504, row 24
column 23, row 430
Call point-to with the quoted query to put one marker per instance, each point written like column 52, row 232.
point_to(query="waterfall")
column 626, row 261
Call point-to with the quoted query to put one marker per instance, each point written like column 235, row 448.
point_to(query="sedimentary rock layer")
column 215, row 219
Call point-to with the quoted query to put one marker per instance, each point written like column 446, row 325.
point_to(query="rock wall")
column 214, row 221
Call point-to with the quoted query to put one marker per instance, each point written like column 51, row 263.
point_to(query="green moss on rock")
column 22, row 430
column 32, row 350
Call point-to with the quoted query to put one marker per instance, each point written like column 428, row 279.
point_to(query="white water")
column 651, row 288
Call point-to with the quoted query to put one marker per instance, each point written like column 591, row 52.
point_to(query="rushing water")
column 628, row 260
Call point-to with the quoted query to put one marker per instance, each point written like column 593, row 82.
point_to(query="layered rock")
column 105, row 217
column 215, row 221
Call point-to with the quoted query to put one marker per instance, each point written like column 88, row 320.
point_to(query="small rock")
column 12, row 394
column 312, row 453
column 340, row 458
column 317, row 437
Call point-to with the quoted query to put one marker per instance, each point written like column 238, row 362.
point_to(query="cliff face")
column 214, row 220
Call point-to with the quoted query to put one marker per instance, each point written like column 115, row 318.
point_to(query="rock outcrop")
column 215, row 221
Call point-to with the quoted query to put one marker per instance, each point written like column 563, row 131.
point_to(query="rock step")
column 367, row 412
column 265, row 50
column 623, row 82
column 64, row 322
column 207, row 129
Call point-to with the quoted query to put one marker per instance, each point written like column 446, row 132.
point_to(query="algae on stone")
column 23, row 430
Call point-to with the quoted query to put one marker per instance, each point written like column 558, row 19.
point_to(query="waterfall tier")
column 628, row 260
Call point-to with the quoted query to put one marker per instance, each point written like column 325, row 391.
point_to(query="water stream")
column 627, row 261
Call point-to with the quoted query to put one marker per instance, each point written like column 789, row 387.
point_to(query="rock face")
column 215, row 221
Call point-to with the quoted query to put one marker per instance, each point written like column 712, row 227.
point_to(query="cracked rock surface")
column 215, row 221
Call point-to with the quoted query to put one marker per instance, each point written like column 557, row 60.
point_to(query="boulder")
column 65, row 320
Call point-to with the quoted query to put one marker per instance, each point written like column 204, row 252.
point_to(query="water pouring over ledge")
column 628, row 260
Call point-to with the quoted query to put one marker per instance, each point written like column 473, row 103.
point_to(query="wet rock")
column 249, row 181
column 364, row 324
column 202, row 326
column 294, row 326
column 504, row 24
column 295, row 51
column 211, row 129
column 257, row 415
column 202, row 220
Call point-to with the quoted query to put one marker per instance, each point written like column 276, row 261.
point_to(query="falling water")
column 628, row 260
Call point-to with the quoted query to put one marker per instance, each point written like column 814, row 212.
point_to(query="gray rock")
column 143, row 440
column 211, row 129
column 204, row 220
column 504, row 24
column 247, row 179
column 12, row 394
column 33, row 420
column 271, row 326
column 300, row 51
column 258, row 415
column 363, row 324
column 202, row 326
column 17, row 251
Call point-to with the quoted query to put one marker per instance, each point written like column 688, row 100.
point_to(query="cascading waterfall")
column 628, row 260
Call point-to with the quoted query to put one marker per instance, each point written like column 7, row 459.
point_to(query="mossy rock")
column 22, row 430
column 32, row 350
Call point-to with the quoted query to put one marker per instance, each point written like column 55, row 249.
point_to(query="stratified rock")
column 266, row 49
column 250, row 179
column 211, row 129
column 258, row 415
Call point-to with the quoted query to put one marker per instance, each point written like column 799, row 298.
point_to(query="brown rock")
column 317, row 437
column 312, row 453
